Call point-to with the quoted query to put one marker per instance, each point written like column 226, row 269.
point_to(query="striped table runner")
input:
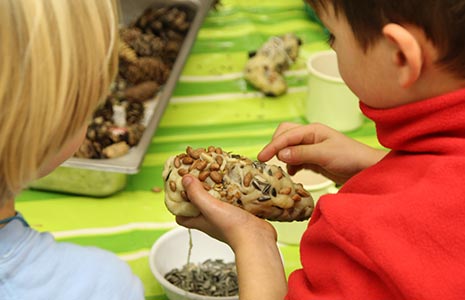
column 212, row 105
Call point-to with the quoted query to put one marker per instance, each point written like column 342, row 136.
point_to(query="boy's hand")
column 320, row 149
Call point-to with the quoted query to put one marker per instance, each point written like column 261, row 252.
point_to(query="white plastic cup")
column 329, row 100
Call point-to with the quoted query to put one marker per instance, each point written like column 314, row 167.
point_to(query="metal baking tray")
column 131, row 9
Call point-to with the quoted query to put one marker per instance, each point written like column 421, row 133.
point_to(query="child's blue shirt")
column 33, row 266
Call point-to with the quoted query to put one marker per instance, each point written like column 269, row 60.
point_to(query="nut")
column 278, row 174
column 247, row 179
column 187, row 160
column 177, row 162
column 206, row 186
column 182, row 172
column 201, row 165
column 204, row 175
column 296, row 197
column 214, row 167
column 285, row 191
column 172, row 186
column 216, row 177
column 302, row 192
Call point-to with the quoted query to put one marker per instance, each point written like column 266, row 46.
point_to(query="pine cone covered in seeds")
column 264, row 190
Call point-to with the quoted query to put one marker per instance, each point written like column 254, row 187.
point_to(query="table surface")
column 211, row 105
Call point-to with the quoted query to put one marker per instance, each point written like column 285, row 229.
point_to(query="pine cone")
column 146, row 69
column 126, row 53
column 142, row 92
column 134, row 112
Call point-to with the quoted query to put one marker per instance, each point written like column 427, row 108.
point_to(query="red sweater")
column 397, row 229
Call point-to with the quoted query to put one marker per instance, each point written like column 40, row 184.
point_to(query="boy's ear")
column 407, row 55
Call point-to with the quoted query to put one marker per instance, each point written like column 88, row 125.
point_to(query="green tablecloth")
column 212, row 105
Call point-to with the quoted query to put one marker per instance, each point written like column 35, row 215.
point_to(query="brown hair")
column 443, row 22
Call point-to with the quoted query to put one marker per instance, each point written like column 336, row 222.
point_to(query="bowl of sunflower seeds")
column 190, row 265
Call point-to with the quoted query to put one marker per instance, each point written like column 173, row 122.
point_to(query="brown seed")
column 285, row 191
column 206, row 186
column 194, row 164
column 182, row 172
column 296, row 197
column 156, row 189
column 302, row 192
column 195, row 154
column 219, row 150
column 204, row 175
column 216, row 177
column 247, row 179
column 177, row 162
column 214, row 167
column 184, row 195
column 201, row 165
column 278, row 175
column 211, row 149
column 219, row 160
column 189, row 150
column 187, row 160
column 172, row 186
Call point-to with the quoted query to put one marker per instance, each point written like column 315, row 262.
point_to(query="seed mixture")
column 264, row 190
column 210, row 278
column 147, row 52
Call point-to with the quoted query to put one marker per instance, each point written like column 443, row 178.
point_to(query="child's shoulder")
column 42, row 268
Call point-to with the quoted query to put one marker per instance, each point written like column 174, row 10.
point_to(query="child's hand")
column 259, row 266
column 320, row 149
column 222, row 220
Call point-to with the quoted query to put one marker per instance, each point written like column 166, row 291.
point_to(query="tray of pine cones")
column 155, row 40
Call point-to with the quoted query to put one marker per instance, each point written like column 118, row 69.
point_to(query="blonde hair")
column 57, row 60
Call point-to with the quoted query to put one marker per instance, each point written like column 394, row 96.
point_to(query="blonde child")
column 395, row 230
column 57, row 60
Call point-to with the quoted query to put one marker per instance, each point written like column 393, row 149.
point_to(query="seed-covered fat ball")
column 264, row 190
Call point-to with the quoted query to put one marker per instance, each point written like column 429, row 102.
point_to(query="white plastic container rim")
column 324, row 58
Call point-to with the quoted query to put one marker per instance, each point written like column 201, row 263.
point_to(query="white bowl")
column 170, row 251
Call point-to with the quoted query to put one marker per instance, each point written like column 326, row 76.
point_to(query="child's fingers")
column 206, row 203
column 283, row 127
column 299, row 135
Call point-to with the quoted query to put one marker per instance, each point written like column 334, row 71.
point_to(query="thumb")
column 198, row 196
column 208, row 205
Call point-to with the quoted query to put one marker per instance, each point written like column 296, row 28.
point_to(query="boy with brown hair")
column 395, row 230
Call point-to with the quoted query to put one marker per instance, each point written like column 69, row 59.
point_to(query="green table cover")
column 211, row 105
